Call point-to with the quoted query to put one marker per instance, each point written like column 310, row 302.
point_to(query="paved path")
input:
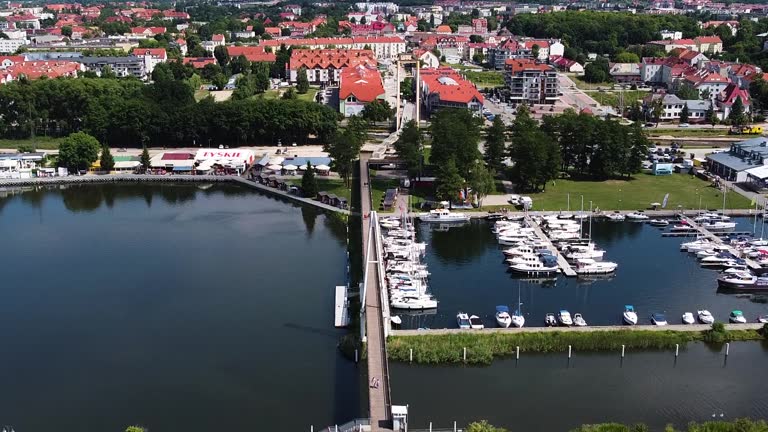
column 674, row 327
column 378, row 395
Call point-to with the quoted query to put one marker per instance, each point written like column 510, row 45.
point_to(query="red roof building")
column 199, row 62
column 252, row 53
column 530, row 82
column 36, row 69
column 444, row 87
column 147, row 31
column 324, row 65
column 359, row 86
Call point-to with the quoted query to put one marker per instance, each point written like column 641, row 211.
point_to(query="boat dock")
column 694, row 233
column 565, row 267
column 673, row 327
column 341, row 311
column 715, row 238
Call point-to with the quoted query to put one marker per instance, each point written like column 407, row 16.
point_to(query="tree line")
column 129, row 113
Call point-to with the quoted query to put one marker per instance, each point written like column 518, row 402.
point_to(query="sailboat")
column 518, row 320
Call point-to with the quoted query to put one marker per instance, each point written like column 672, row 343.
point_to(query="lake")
column 468, row 273
column 175, row 307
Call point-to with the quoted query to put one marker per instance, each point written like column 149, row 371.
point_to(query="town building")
column 252, row 53
column 121, row 66
column 530, row 82
column 625, row 73
column 36, row 69
column 217, row 40
column 445, row 88
column 383, row 47
column 151, row 57
column 743, row 156
column 324, row 66
column 358, row 86
column 568, row 65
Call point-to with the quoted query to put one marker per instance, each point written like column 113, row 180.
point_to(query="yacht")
column 658, row 222
column 545, row 265
column 688, row 318
column 737, row 317
column 524, row 259
column 518, row 320
column 590, row 251
column 615, row 217
column 564, row 318
column 415, row 302
column 590, row 266
column 659, row 319
column 705, row 317
column 637, row 216
column 475, row 323
column 549, row 320
column 742, row 280
column 503, row 319
column 443, row 216
column 463, row 320
column 524, row 249
column 630, row 317
column 578, row 320
column 762, row 319
column 719, row 226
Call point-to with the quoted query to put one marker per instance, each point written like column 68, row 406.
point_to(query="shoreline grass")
column 39, row 143
column 483, row 348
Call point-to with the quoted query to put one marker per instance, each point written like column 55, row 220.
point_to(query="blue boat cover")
column 629, row 308
column 502, row 308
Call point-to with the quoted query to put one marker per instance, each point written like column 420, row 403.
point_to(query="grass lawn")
column 201, row 94
column 276, row 94
column 485, row 78
column 427, row 151
column 39, row 143
column 636, row 194
column 611, row 98
column 334, row 186
column 580, row 83
column 687, row 132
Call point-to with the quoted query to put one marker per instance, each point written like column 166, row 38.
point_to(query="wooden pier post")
column 569, row 351
column 517, row 353
column 677, row 350
column 727, row 348
column 430, row 426
column 355, row 356
column 465, row 354
column 454, row 426
column 410, row 355
column 622, row 351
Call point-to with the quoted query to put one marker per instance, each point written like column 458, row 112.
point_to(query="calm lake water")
column 468, row 273
column 171, row 307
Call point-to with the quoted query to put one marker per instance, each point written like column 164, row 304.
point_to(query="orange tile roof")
column 444, row 29
column 37, row 69
column 331, row 58
column 154, row 52
column 252, row 53
column 364, row 82
column 519, row 65
column 449, row 85
column 199, row 62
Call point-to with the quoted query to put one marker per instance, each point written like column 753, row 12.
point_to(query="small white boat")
column 590, row 266
column 545, row 265
column 719, row 226
column 737, row 317
column 503, row 319
column 659, row 319
column 518, row 320
column 658, row 222
column 615, row 217
column 462, row 320
column 637, row 216
column 550, row 320
column 705, row 317
column 688, row 318
column 414, row 302
column 762, row 319
column 475, row 323
column 396, row 320
column 578, row 320
column 629, row 315
column 443, row 216
column 564, row 318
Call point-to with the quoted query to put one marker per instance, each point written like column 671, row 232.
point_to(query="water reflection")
column 473, row 241
column 309, row 216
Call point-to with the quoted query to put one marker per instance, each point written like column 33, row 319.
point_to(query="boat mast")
column 581, row 219
column 590, row 221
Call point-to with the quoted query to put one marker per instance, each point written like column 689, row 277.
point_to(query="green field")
column 636, row 194
column 485, row 78
column 580, row 83
column 276, row 94
column 39, row 143
column 333, row 186
column 611, row 98
column 687, row 132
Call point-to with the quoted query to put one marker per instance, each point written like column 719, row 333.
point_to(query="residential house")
column 199, row 62
column 709, row 44
column 181, row 44
column 383, row 47
column 472, row 48
column 428, row 58
column 324, row 66
column 151, row 56
column 728, row 96
column 252, row 53
column 443, row 29
column 625, row 73
column 216, row 41
column 444, row 87
column 123, row 67
column 146, row 32
column 669, row 34
column 732, row 25
column 672, row 106
column 480, row 26
column 358, row 86
column 32, row 70
column 531, row 82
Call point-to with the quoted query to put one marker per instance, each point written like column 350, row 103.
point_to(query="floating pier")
column 565, row 267
column 713, row 237
column 341, row 311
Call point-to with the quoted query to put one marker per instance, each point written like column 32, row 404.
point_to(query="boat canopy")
column 659, row 317
column 502, row 308
column 736, row 313
column 629, row 308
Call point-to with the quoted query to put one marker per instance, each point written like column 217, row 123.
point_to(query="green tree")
column 483, row 426
column 107, row 72
column 345, row 147
column 627, row 57
column 144, row 159
column 78, row 151
column 495, row 137
column 737, row 116
column 448, row 182
column 26, row 148
column 597, row 72
column 220, row 81
column 455, row 136
column 687, row 92
column 408, row 147
column 309, row 182
column 407, row 91
column 377, row 111
column 289, row 94
column 710, row 115
column 135, row 429
column 240, row 65
column 107, row 162
column 482, row 182
column 66, row 31
column 302, row 81
column 536, row 157
column 657, row 108
column 222, row 55
column 535, row 49
column 684, row 113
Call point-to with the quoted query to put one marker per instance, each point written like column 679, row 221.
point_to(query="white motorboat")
column 462, row 320
column 419, row 302
column 550, row 320
column 443, row 216
column 523, row 259
column 629, row 315
column 564, row 235
column 503, row 319
column 637, row 216
column 658, row 223
column 476, row 323
column 737, row 317
column 659, row 319
column 523, row 250
column 762, row 319
column 737, row 280
column 564, row 318
column 545, row 265
column 615, row 217
column 705, row 317
column 688, row 318
column 396, row 320
column 719, row 226
column 696, row 245
column 590, row 266
column 578, row 320
column 577, row 252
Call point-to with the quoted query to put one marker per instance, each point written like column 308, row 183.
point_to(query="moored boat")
column 503, row 319
column 564, row 318
column 659, row 319
column 462, row 319
column 629, row 315
column 688, row 318
column 637, row 216
column 579, row 320
column 550, row 320
column 658, row 223
column 737, row 317
column 705, row 317
column 443, row 216
column 476, row 323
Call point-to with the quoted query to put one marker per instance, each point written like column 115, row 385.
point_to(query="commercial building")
column 444, row 87
column 383, row 47
column 359, row 86
column 530, row 82
column 121, row 66
column 741, row 157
